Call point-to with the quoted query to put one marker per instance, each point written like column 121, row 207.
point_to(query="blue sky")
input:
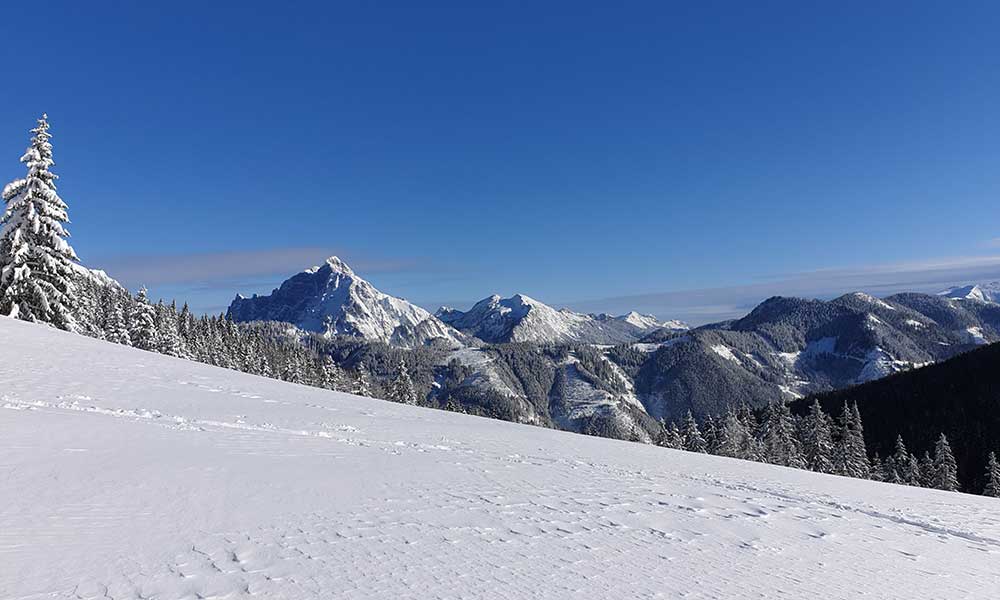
column 686, row 159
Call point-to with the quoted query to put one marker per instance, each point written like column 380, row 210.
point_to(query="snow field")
column 128, row 474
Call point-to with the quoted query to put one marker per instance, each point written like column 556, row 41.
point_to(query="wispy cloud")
column 223, row 270
column 716, row 304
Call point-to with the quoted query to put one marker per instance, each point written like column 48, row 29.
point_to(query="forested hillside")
column 959, row 397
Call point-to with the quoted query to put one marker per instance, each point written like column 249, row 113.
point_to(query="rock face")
column 332, row 300
column 523, row 319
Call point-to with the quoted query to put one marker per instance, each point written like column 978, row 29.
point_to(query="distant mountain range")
column 626, row 371
column 789, row 347
column 331, row 299
column 522, row 319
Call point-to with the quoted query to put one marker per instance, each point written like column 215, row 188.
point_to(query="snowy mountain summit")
column 983, row 292
column 332, row 299
column 524, row 319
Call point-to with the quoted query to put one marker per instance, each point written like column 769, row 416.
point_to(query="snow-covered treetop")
column 36, row 261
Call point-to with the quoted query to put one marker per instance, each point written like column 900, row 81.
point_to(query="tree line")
column 818, row 442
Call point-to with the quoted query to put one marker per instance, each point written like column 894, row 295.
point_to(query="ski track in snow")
column 131, row 475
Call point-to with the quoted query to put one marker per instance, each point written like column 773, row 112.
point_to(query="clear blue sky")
column 576, row 152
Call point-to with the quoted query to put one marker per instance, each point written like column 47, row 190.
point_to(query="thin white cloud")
column 716, row 304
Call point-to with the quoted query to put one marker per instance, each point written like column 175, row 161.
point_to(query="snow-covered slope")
column 523, row 319
column 332, row 299
column 983, row 292
column 133, row 475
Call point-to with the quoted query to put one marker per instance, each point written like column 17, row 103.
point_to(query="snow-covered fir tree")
column 115, row 327
column 693, row 441
column 737, row 438
column 926, row 470
column 817, row 439
column 168, row 338
column 992, row 478
column 851, row 456
column 945, row 469
column 331, row 376
column 143, row 322
column 780, row 445
column 361, row 385
column 902, row 467
column 712, row 435
column 36, row 261
column 401, row 389
column 670, row 436
column 878, row 472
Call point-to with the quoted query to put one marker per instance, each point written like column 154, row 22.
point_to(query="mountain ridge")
column 331, row 299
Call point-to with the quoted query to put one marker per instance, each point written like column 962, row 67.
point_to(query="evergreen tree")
column 693, row 441
column 712, row 435
column 36, row 261
column 115, row 305
column 143, row 320
column 331, row 376
column 817, row 438
column 731, row 435
column 168, row 339
column 992, row 487
column 945, row 469
column 752, row 448
column 401, row 389
column 927, row 470
column 878, row 471
column 778, row 436
column 671, row 437
column 362, row 386
column 902, row 467
column 851, row 456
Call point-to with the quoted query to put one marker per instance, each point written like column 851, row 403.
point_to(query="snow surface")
column 724, row 351
column 128, row 474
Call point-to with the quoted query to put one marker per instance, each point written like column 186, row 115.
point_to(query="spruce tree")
column 992, row 486
column 143, row 331
column 36, row 261
column 331, row 376
column 927, row 470
column 168, row 339
column 672, row 437
column 362, row 385
column 115, row 327
column 878, row 471
column 712, row 435
column 778, row 436
column 401, row 389
column 731, row 436
column 851, row 456
column 902, row 467
column 693, row 441
column 818, row 440
column 945, row 468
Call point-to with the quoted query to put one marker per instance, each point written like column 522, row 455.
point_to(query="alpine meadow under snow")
column 128, row 474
